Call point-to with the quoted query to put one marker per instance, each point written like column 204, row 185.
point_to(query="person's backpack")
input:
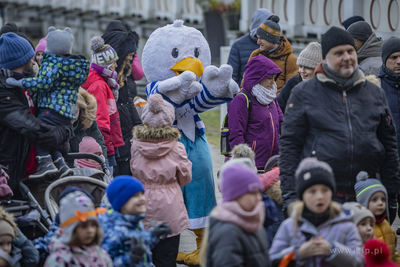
column 224, row 144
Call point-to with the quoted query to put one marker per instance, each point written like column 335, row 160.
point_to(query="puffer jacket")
column 58, row 82
column 23, row 251
column 284, row 58
column 161, row 163
column 18, row 127
column 118, row 230
column 369, row 55
column 240, row 52
column 107, row 114
column 340, row 232
column 350, row 130
column 229, row 245
column 390, row 83
column 63, row 255
column 385, row 232
column 261, row 127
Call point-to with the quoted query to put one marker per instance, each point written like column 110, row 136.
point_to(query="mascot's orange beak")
column 192, row 64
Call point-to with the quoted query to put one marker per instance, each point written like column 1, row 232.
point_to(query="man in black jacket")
column 341, row 119
column 18, row 125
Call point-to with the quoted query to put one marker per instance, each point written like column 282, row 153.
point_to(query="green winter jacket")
column 58, row 82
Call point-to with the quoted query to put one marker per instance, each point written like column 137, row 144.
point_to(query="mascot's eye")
column 175, row 52
column 196, row 52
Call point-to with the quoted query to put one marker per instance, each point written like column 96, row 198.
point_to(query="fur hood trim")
column 275, row 193
column 156, row 133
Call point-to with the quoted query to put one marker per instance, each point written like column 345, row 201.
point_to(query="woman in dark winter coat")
column 124, row 41
column 259, row 124
column 236, row 236
column 307, row 61
column 85, row 124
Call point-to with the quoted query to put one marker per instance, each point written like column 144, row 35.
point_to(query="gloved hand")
column 56, row 138
column 161, row 230
column 14, row 82
column 137, row 251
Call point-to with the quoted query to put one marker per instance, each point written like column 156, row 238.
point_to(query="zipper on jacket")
column 273, row 132
column 351, row 132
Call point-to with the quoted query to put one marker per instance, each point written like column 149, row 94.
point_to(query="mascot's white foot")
column 219, row 81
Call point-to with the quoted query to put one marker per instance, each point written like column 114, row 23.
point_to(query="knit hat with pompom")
column 270, row 30
column 377, row 253
column 103, row 54
column 366, row 187
column 158, row 112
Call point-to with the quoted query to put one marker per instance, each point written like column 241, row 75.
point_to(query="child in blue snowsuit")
column 125, row 239
column 57, row 86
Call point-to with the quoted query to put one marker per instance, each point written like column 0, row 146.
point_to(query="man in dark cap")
column 368, row 47
column 341, row 118
column 351, row 20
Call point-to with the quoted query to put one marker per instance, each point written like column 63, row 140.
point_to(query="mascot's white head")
column 172, row 49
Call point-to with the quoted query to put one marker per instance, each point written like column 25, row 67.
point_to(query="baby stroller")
column 32, row 219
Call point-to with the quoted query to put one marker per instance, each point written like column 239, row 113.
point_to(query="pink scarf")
column 110, row 77
column 250, row 221
column 88, row 145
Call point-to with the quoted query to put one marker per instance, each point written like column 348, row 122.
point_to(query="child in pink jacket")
column 160, row 162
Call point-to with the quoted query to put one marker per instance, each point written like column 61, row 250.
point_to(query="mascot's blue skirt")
column 199, row 194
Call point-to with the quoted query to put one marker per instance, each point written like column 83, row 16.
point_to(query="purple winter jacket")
column 261, row 128
column 346, row 245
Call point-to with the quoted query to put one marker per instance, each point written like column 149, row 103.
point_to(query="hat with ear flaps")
column 59, row 42
column 158, row 112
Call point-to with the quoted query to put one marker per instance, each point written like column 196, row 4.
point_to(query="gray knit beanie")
column 311, row 56
column 59, row 42
column 360, row 30
column 270, row 30
column 365, row 188
column 360, row 212
column 390, row 46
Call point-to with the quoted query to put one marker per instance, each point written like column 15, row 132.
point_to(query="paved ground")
column 188, row 239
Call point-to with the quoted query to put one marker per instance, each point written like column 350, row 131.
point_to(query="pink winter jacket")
column 162, row 166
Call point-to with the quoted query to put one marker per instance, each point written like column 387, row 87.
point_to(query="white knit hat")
column 311, row 56
column 75, row 208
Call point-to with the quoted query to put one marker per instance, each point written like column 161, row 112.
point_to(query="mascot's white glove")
column 219, row 81
column 180, row 88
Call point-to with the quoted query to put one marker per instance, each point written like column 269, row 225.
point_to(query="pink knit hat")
column 88, row 145
column 41, row 45
column 158, row 112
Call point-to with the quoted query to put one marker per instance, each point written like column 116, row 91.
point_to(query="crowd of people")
column 312, row 178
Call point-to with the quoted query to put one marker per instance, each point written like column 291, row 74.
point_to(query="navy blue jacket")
column 286, row 89
column 390, row 83
column 239, row 55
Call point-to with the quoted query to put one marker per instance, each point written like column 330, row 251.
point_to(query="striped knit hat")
column 365, row 188
column 270, row 30
column 103, row 54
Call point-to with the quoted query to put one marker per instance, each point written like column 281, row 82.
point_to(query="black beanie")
column 351, row 20
column 334, row 37
column 390, row 46
column 311, row 172
column 270, row 30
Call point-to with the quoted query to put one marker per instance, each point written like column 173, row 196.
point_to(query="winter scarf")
column 392, row 74
column 344, row 82
column 88, row 145
column 316, row 219
column 249, row 221
column 264, row 95
column 110, row 77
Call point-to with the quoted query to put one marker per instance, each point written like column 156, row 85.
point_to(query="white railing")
column 192, row 11
column 99, row 6
column 142, row 8
column 39, row 3
column 315, row 17
column 82, row 5
column 168, row 9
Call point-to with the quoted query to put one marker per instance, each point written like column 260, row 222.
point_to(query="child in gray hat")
column 363, row 219
column 373, row 195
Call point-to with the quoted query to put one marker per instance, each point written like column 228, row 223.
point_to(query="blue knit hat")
column 121, row 189
column 15, row 51
column 366, row 187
